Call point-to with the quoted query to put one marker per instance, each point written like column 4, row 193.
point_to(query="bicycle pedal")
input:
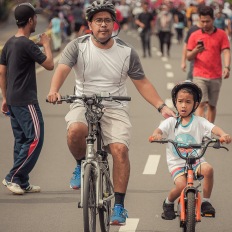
column 209, row 215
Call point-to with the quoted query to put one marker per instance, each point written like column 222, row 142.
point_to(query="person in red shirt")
column 205, row 47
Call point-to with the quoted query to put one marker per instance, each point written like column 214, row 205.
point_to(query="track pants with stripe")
column 28, row 129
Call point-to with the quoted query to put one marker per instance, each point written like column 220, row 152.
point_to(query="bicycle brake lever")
column 224, row 148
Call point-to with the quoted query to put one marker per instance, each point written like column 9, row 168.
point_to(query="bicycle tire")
column 89, row 200
column 190, row 212
column 105, row 211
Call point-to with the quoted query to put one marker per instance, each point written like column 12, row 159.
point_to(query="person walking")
column 145, row 21
column 164, row 27
column 19, row 92
column 184, row 51
column 205, row 47
column 56, row 26
column 102, row 63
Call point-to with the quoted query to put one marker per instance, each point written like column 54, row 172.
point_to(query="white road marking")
column 131, row 225
column 158, row 53
column 154, row 48
column 170, row 85
column 169, row 103
column 168, row 66
column 164, row 59
column 170, row 74
column 151, row 165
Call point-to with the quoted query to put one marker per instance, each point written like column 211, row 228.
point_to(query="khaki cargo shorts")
column 115, row 123
column 210, row 89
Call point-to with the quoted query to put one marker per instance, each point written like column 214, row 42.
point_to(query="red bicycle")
column 189, row 202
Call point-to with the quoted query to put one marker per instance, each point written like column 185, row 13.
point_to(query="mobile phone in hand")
column 200, row 42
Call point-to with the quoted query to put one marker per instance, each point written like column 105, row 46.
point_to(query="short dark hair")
column 206, row 11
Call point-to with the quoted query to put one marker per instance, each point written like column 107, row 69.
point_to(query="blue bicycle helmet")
column 98, row 6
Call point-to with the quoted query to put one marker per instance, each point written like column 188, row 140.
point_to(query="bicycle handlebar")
column 204, row 145
column 102, row 96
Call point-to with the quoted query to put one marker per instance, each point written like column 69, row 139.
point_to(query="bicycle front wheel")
column 190, row 207
column 105, row 210
column 89, row 199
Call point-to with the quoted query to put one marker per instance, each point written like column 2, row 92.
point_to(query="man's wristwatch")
column 228, row 67
column 161, row 107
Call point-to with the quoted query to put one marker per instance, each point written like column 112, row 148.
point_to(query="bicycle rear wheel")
column 89, row 200
column 105, row 211
column 191, row 217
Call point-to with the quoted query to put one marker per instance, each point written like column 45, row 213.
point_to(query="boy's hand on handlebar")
column 225, row 138
column 155, row 137
column 54, row 97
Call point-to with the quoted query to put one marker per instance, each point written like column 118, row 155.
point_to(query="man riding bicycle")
column 102, row 63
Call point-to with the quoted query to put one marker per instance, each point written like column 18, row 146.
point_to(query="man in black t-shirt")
column 19, row 92
column 145, row 21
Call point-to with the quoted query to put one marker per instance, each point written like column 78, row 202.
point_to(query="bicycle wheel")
column 190, row 207
column 89, row 200
column 105, row 211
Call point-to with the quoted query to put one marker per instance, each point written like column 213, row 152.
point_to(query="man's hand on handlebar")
column 54, row 97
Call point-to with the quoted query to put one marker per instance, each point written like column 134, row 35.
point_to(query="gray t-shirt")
column 102, row 70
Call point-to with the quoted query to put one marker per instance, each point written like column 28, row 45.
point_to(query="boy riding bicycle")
column 191, row 129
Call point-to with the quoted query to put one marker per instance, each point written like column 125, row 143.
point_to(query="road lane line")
column 170, row 74
column 151, row 165
column 131, row 225
column 168, row 66
column 170, row 85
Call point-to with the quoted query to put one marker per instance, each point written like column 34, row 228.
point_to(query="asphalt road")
column 55, row 208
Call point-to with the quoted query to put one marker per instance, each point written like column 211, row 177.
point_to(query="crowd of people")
column 206, row 38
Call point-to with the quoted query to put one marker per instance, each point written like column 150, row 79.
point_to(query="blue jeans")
column 28, row 129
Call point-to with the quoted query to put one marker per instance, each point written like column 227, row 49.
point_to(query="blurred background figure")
column 146, row 25
column 126, row 12
column 180, row 21
column 79, row 20
column 164, row 27
column 56, row 26
column 119, row 19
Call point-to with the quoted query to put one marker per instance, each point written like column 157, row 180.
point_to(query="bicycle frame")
column 92, row 157
column 183, row 196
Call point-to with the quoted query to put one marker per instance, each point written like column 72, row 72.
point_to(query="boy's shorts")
column 210, row 89
column 115, row 123
column 180, row 171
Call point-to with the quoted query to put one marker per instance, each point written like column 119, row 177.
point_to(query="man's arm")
column 45, row 42
column 149, row 93
column 4, row 107
column 227, row 60
column 58, row 79
column 191, row 55
column 184, row 57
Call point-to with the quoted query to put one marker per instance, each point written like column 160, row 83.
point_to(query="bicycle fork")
column 183, row 199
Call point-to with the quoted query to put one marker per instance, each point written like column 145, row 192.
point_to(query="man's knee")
column 119, row 151
column 77, row 131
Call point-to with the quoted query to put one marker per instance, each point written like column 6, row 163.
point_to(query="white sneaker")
column 13, row 187
column 32, row 189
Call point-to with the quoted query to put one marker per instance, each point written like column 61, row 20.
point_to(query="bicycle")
column 97, row 189
column 189, row 201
